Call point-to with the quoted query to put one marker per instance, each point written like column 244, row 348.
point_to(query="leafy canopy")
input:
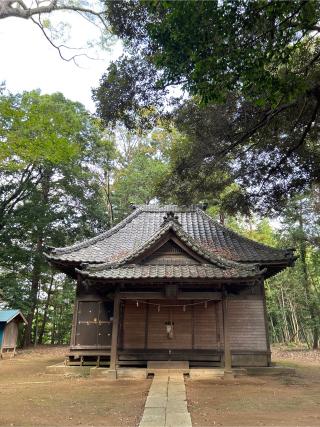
column 255, row 64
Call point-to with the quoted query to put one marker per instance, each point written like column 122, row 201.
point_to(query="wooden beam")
column 115, row 330
column 181, row 295
column 227, row 349
column 200, row 295
column 141, row 295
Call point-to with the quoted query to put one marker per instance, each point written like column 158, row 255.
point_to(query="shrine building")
column 169, row 283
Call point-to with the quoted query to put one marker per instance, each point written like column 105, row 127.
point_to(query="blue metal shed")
column 9, row 320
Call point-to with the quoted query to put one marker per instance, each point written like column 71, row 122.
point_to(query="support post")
column 266, row 322
column 115, row 331
column 227, row 350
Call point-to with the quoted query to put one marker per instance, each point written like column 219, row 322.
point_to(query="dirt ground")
column 264, row 401
column 30, row 397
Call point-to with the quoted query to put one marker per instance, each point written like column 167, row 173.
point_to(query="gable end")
column 170, row 253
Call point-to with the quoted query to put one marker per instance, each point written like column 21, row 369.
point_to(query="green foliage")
column 253, row 65
column 293, row 296
column 141, row 169
column 212, row 48
column 50, row 194
column 38, row 128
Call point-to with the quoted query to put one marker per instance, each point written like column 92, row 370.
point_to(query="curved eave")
column 158, row 281
column 67, row 267
column 73, row 268
column 194, row 274
column 274, row 267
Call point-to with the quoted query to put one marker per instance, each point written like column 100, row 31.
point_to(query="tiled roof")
column 200, row 271
column 175, row 229
column 130, row 234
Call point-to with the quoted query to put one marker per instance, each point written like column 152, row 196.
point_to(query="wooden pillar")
column 227, row 349
column 266, row 322
column 115, row 330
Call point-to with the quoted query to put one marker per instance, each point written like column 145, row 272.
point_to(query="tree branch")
column 58, row 47
column 295, row 147
column 265, row 119
column 7, row 9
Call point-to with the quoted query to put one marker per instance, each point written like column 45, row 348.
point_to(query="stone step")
column 168, row 364
column 209, row 373
column 123, row 373
column 167, row 367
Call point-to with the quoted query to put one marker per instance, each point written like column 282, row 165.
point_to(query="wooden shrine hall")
column 170, row 284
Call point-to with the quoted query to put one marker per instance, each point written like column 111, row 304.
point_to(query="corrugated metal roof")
column 8, row 315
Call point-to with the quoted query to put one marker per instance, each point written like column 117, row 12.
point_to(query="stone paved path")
column 166, row 404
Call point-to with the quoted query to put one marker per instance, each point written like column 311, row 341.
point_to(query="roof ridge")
column 193, row 244
column 288, row 252
column 165, row 208
column 95, row 239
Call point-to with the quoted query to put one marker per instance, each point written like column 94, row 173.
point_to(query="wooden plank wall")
column 207, row 331
column 247, row 324
column 133, row 327
column 195, row 328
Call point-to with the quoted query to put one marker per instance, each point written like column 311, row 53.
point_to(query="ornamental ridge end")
column 170, row 217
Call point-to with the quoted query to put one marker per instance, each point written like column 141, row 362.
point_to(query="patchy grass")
column 251, row 401
column 31, row 397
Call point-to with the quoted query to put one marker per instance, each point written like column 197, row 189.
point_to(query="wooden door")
column 87, row 334
column 94, row 324
column 181, row 320
column 10, row 335
column 105, row 323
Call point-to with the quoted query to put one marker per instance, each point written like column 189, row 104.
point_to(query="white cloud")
column 29, row 62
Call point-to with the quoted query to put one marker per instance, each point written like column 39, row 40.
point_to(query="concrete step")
column 167, row 367
column 132, row 373
column 168, row 364
column 122, row 373
column 206, row 373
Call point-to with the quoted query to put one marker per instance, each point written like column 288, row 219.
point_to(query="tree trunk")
column 33, row 296
column 45, row 312
column 285, row 328
column 109, row 202
column 36, row 270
